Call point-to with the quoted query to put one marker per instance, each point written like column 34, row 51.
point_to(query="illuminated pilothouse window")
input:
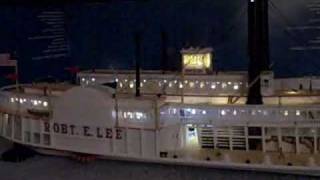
column 197, row 60
column 135, row 116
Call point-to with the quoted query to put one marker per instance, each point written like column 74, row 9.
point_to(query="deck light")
column 213, row 86
column 236, row 87
column 286, row 113
column 298, row 113
column 131, row 85
column 235, row 112
column 45, row 103
column 223, row 112
column 93, row 79
column 180, row 85
column 204, row 112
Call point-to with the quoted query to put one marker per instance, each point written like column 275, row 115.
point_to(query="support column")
column 230, row 139
column 279, row 138
column 142, row 142
column 297, row 140
column 113, row 150
column 263, row 139
column 157, row 137
column 246, row 136
column 315, row 144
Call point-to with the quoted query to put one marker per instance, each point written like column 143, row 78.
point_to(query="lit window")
column 229, row 83
column 17, row 99
column 144, row 80
column 12, row 100
column 180, row 85
column 170, row 84
column 175, row 81
column 298, row 113
column 224, row 85
column 159, row 84
column 93, row 79
column 21, row 100
column 116, row 79
column 83, row 79
column 286, row 113
column 253, row 112
column 186, row 81
column 120, row 85
column 223, row 112
column 204, row 112
column 197, row 82
column 141, row 84
column 191, row 84
column 126, row 80
column 24, row 100
column 265, row 112
column 139, row 115
column 236, row 87
column 174, row 110
column 193, row 111
column 202, row 85
column 165, row 81
column 213, row 86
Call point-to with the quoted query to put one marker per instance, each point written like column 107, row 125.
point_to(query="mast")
column 258, row 47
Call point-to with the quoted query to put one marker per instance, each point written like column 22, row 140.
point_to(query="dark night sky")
column 101, row 34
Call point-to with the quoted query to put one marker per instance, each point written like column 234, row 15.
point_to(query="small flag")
column 6, row 61
column 12, row 77
column 73, row 70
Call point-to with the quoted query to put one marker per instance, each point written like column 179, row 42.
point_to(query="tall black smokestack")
column 258, row 47
column 138, row 49
column 164, row 53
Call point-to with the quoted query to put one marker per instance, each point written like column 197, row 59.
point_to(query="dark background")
column 100, row 34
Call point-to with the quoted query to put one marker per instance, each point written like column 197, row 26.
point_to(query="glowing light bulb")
column 45, row 103
column 213, row 86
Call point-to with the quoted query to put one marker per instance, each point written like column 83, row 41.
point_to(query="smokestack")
column 138, row 49
column 258, row 47
column 164, row 53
